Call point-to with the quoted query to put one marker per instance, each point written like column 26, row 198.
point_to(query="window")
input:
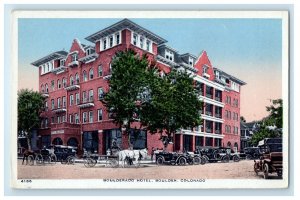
column 64, row 102
column 84, row 76
column 148, row 45
column 217, row 74
column 84, row 99
column 100, row 93
column 71, row 118
column 46, row 105
column 204, row 69
column 91, row 95
column 84, row 117
column 64, row 118
column 74, row 57
column 58, row 119
column 77, row 78
column 48, row 67
column 76, row 118
column 46, row 122
column 46, row 88
column 117, row 38
column 52, row 85
column 64, row 82
column 71, row 80
column 99, row 114
column 52, row 120
column 191, row 61
column 88, row 52
column 52, row 104
column 42, row 89
column 100, row 71
column 169, row 55
column 58, row 84
column 62, row 62
column 71, row 99
column 135, row 36
column 111, row 41
column 104, row 44
column 91, row 117
column 91, row 74
column 142, row 42
column 77, row 98
column 58, row 102
column 43, row 69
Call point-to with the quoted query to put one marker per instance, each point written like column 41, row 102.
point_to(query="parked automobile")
column 271, row 159
column 213, row 154
column 252, row 153
column 65, row 154
column 172, row 158
column 234, row 156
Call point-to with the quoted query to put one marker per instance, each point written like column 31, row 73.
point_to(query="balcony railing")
column 208, row 130
column 218, row 99
column 72, row 87
column 218, row 131
column 59, row 70
column 45, row 94
column 209, row 95
column 59, row 110
column 101, row 96
column 107, row 75
column 218, row 115
column 86, row 103
column 64, row 125
column 209, row 113
column 73, row 63
column 89, row 58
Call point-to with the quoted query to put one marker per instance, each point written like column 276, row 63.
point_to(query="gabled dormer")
column 76, row 51
column 204, row 67
column 90, row 54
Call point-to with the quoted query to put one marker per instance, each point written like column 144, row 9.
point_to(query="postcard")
column 150, row 99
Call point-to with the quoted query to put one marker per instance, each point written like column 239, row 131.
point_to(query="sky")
column 249, row 49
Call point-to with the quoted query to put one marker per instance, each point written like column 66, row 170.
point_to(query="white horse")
column 132, row 156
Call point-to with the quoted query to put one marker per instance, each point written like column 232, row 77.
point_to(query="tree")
column 271, row 126
column 30, row 104
column 173, row 105
column 128, row 80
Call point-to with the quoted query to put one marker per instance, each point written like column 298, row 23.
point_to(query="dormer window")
column 118, row 38
column 104, row 44
column 148, row 45
column 191, row 61
column 205, row 69
column 74, row 57
column 169, row 55
column 111, row 41
column 88, row 52
column 135, row 37
column 217, row 74
column 142, row 42
column 62, row 62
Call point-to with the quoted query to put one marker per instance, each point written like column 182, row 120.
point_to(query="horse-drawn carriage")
column 124, row 158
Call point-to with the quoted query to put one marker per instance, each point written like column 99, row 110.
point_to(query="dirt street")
column 232, row 170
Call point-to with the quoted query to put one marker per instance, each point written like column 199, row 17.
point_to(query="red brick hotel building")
column 74, row 83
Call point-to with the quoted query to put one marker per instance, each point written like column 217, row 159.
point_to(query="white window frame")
column 64, row 102
column 169, row 54
column 84, row 117
column 76, row 118
column 100, row 111
column 111, row 41
column 116, row 38
column 58, row 102
column 77, row 100
column 70, row 118
column 91, row 95
column 71, row 99
column 91, row 116
column 191, row 60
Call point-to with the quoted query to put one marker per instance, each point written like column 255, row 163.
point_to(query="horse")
column 26, row 154
column 133, row 156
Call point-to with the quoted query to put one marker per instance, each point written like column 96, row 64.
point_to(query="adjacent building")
column 74, row 83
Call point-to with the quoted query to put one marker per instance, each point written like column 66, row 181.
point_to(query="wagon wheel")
column 92, row 162
column 197, row 160
column 85, row 162
column 39, row 159
column 255, row 167
column 160, row 161
column 225, row 159
column 236, row 158
column 31, row 160
column 71, row 160
column 182, row 161
column 266, row 171
column 53, row 159
column 112, row 162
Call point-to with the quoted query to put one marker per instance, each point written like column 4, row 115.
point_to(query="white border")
column 211, row 183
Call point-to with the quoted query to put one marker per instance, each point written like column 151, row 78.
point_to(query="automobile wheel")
column 236, row 158
column 64, row 160
column 248, row 157
column 225, row 159
column 92, row 162
column 71, row 160
column 182, row 161
column 53, row 159
column 31, row 160
column 160, row 161
column 197, row 160
column 204, row 160
column 39, row 159
column 266, row 171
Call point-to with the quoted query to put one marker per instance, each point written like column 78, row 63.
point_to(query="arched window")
column 84, row 76
column 72, row 142
column 42, row 88
column 57, row 141
column 91, row 74
column 100, row 71
column 71, row 80
column 46, row 88
column 77, row 78
column 228, row 144
column 58, row 84
column 64, row 82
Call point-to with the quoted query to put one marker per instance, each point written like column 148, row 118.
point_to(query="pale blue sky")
column 249, row 49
